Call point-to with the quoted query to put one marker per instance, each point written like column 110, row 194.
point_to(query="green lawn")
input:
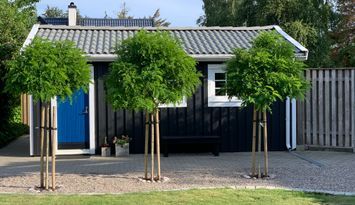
column 203, row 197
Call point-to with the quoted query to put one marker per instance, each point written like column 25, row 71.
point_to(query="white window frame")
column 218, row 101
column 183, row 103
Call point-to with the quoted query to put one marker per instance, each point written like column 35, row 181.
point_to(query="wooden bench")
column 171, row 140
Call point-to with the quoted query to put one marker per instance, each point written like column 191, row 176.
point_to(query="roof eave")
column 30, row 36
column 304, row 51
column 199, row 58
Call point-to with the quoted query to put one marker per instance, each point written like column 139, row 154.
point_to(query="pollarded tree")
column 151, row 69
column 46, row 70
column 266, row 73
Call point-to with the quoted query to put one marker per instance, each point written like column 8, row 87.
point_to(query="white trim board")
column 293, row 42
column 200, row 58
column 73, row 151
column 30, row 36
column 92, row 116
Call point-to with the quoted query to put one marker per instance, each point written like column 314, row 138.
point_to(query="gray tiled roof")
column 99, row 22
column 195, row 41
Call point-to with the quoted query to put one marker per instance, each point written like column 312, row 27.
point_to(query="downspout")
column 31, row 127
column 293, row 121
column 288, row 122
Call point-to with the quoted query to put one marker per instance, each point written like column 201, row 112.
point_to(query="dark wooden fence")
column 326, row 116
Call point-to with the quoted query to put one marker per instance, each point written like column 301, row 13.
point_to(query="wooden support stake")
column 42, row 146
column 54, row 146
column 152, row 145
column 47, row 148
column 253, row 169
column 146, row 145
column 157, row 131
column 259, row 144
column 266, row 162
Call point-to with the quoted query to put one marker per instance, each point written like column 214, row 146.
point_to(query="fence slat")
column 320, row 108
column 334, row 108
column 328, row 114
column 347, row 108
column 314, row 108
column 308, row 110
column 353, row 108
column 340, row 108
column 327, row 108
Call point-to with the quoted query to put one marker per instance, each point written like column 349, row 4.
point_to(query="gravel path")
column 327, row 171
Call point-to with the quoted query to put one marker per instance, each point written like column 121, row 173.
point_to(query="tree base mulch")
column 266, row 177
column 149, row 180
column 38, row 189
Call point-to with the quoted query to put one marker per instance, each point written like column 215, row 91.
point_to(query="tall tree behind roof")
column 123, row 13
column 344, row 34
column 157, row 21
column 308, row 21
column 54, row 12
column 219, row 13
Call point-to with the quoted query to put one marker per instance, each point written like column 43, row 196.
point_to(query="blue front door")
column 73, row 122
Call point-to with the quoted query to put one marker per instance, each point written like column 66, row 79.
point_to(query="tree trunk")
column 266, row 163
column 259, row 144
column 47, row 147
column 157, row 131
column 42, row 145
column 54, row 146
column 253, row 169
column 152, row 145
column 146, row 145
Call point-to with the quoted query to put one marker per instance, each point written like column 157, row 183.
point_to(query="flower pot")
column 122, row 150
column 105, row 151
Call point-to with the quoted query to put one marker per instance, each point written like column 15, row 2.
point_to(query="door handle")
column 86, row 111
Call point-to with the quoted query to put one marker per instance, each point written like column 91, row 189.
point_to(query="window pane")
column 220, row 92
column 220, row 84
column 220, row 76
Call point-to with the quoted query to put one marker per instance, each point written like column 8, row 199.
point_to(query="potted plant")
column 121, row 145
column 105, row 149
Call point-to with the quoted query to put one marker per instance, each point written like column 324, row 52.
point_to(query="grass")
column 193, row 197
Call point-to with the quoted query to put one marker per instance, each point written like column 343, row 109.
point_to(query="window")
column 217, row 97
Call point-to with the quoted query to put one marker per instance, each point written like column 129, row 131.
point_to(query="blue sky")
column 178, row 12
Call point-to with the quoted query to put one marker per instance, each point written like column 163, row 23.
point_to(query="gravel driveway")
column 327, row 171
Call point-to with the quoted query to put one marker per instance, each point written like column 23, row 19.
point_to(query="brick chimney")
column 72, row 14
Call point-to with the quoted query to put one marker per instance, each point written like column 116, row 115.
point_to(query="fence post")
column 353, row 108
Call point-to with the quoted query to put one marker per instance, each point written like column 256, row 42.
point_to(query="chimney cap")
column 72, row 5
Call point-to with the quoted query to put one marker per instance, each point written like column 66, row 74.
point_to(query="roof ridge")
column 117, row 19
column 155, row 28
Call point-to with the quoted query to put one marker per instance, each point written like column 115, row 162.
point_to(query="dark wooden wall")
column 233, row 124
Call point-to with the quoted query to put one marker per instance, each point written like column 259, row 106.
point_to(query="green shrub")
column 16, row 115
column 11, row 132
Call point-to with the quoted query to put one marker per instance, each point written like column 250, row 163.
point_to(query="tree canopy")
column 16, row 19
column 47, row 69
column 265, row 73
column 310, row 22
column 151, row 69
column 344, row 34
column 54, row 12
column 157, row 20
